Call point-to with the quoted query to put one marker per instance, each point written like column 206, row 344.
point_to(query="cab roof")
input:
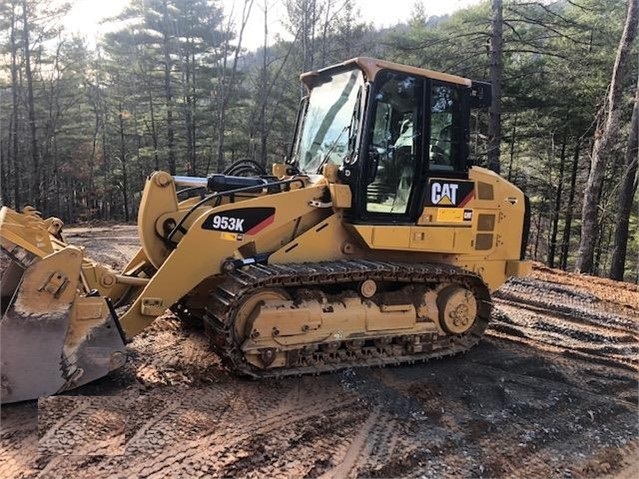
column 372, row 66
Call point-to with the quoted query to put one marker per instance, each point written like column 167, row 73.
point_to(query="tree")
column 558, row 196
column 227, row 89
column 627, row 190
column 496, row 73
column 605, row 136
column 13, row 124
column 35, row 156
column 103, row 119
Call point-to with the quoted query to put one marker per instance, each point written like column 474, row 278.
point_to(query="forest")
column 173, row 86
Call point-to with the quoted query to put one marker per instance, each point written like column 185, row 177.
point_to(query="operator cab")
column 389, row 128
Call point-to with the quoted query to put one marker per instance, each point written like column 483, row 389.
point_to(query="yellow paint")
column 450, row 215
column 185, row 268
column 391, row 237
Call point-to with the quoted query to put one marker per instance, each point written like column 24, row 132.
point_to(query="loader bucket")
column 54, row 335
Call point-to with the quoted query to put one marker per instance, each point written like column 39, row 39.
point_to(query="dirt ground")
column 552, row 391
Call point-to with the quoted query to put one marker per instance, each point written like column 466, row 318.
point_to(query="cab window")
column 445, row 121
column 394, row 143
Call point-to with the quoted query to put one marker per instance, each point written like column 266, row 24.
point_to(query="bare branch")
column 513, row 29
column 532, row 21
column 574, row 4
column 536, row 52
column 548, row 10
column 437, row 41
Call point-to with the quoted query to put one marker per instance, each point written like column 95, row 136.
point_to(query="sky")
column 85, row 15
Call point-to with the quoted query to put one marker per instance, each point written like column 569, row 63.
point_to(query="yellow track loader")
column 376, row 243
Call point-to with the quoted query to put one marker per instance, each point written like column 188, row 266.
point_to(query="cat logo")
column 444, row 194
column 450, row 193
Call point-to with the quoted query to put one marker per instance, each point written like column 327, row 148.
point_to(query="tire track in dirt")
column 542, row 438
column 574, row 304
column 596, row 344
column 296, row 448
column 236, row 426
column 380, row 445
column 613, row 295
column 439, row 420
column 356, row 449
column 268, row 421
column 561, row 319
column 19, row 455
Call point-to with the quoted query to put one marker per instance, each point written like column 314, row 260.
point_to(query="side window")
column 444, row 127
column 394, row 143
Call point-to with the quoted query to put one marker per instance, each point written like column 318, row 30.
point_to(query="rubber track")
column 229, row 295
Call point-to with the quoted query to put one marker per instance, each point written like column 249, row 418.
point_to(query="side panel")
column 476, row 223
column 326, row 241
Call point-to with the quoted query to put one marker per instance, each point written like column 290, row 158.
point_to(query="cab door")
column 393, row 150
column 415, row 150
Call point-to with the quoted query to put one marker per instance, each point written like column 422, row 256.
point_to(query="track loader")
column 376, row 243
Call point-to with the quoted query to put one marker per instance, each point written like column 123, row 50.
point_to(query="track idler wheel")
column 242, row 323
column 457, row 309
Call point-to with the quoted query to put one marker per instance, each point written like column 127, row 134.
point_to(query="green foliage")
column 149, row 95
column 558, row 59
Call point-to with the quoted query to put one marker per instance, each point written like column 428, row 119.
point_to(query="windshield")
column 330, row 122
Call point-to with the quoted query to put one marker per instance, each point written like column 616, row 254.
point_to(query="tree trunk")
column 125, row 186
column 54, row 112
column 94, row 146
column 496, row 73
column 141, row 167
column 35, row 157
column 325, row 35
column 221, row 109
column 565, row 242
column 605, row 137
column 264, row 92
column 626, row 194
column 193, row 138
column 98, row 116
column 168, row 95
column 228, row 89
column 4, row 170
column 154, row 134
column 540, row 217
column 168, row 91
column 513, row 135
column 13, row 132
column 187, row 79
column 603, row 252
column 108, row 200
column 557, row 208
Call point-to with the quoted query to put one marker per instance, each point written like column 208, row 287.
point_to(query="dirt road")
column 551, row 392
